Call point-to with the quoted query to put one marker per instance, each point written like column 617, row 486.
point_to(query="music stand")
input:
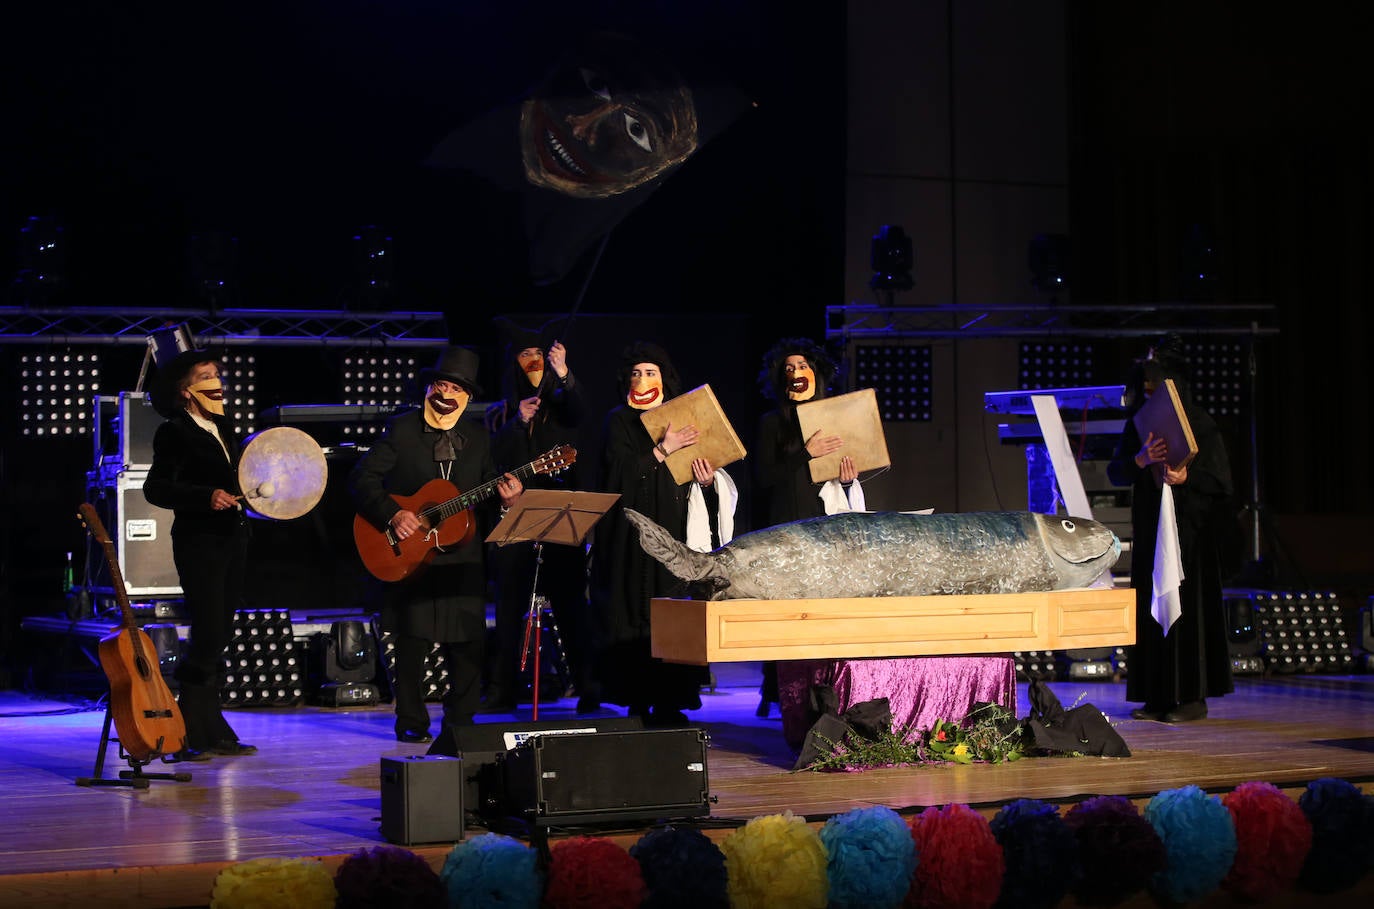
column 547, row 516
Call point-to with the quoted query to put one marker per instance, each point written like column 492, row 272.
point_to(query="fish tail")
column 684, row 563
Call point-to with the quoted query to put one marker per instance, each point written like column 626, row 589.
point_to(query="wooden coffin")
column 699, row 632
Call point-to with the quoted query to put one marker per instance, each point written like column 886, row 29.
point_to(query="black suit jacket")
column 188, row 465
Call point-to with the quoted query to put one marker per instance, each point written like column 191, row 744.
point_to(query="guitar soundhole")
column 144, row 671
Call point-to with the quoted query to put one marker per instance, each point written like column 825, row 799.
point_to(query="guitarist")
column 446, row 600
column 195, row 474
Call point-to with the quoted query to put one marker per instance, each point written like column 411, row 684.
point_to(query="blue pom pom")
column 1041, row 854
column 683, row 869
column 872, row 858
column 492, row 871
column 1342, row 819
column 1199, row 843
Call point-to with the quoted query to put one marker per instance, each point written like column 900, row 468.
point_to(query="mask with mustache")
column 442, row 411
column 209, row 394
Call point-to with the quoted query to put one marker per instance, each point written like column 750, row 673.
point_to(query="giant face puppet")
column 609, row 118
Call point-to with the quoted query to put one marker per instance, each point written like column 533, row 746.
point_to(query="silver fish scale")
column 894, row 554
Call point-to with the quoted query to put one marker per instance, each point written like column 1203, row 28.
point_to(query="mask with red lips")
column 531, row 363
column 444, row 404
column 646, row 387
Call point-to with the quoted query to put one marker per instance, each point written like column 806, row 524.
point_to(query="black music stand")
column 547, row 516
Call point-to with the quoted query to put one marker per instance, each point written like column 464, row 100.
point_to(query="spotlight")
column 892, row 259
column 1048, row 257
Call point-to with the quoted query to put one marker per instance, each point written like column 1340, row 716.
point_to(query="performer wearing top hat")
column 445, row 601
column 195, row 474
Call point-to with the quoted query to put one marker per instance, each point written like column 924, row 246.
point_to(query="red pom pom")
column 959, row 862
column 588, row 873
column 1273, row 837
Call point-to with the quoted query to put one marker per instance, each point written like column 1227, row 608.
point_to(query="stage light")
column 892, row 258
column 240, row 376
column 900, row 377
column 42, row 259
column 57, row 393
column 1199, row 264
column 1218, row 376
column 1048, row 257
column 1046, row 364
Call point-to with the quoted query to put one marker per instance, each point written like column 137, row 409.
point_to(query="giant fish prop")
column 889, row 554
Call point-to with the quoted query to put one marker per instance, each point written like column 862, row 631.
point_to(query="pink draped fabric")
column 920, row 690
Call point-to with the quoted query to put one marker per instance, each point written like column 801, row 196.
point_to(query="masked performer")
column 1174, row 672
column 444, row 601
column 195, row 474
column 794, row 371
column 625, row 578
column 544, row 406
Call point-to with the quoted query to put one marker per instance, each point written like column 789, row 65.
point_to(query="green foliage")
column 992, row 735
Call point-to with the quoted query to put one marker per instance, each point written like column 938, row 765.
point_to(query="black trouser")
column 464, row 661
column 563, row 580
column 211, row 569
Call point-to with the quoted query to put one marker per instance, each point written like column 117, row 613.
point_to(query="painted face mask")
column 531, row 363
column 443, row 406
column 209, row 394
column 801, row 379
column 646, row 387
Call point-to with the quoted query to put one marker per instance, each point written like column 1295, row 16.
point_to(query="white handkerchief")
column 1165, row 605
column 837, row 501
column 699, row 522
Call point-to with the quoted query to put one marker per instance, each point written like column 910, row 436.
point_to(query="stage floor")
column 313, row 789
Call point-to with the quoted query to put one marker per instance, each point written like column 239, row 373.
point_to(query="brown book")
column 853, row 417
column 1162, row 414
column 717, row 441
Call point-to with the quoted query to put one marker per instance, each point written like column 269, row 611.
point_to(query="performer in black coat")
column 625, row 577
column 445, row 601
column 195, row 474
column 1175, row 673
column 543, row 408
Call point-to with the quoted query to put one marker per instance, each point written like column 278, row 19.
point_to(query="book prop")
column 1163, row 414
column 853, row 417
column 717, row 441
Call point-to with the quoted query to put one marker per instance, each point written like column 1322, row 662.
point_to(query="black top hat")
column 457, row 365
column 165, row 392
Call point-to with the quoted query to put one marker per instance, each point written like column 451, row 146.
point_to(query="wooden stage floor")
column 313, row 790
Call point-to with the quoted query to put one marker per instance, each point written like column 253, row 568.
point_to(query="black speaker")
column 608, row 777
column 422, row 799
column 481, row 745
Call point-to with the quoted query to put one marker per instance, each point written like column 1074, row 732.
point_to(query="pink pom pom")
column 959, row 862
column 588, row 873
column 1273, row 837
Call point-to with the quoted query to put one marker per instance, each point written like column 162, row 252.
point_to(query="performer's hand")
column 675, row 439
column 703, row 472
column 221, row 500
column 405, row 523
column 558, row 359
column 509, row 488
column 1176, row 476
column 1154, row 451
column 818, row 446
column 528, row 408
column 848, row 472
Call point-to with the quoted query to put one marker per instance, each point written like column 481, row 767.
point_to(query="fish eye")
column 1068, row 525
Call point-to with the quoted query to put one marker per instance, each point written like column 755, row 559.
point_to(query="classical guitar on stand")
column 146, row 716
column 445, row 512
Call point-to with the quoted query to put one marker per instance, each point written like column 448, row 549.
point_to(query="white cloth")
column 1165, row 604
column 699, row 520
column 833, row 496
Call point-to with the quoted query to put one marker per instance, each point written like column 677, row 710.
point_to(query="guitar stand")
column 135, row 778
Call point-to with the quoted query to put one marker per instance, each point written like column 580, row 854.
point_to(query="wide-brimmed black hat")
column 165, row 392
column 457, row 365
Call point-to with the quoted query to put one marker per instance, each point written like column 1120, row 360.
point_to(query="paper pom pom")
column 1040, row 852
column 1199, row 843
column 1273, row 837
column 872, row 858
column 587, row 873
column 387, row 876
column 682, row 868
column 775, row 860
column 959, row 862
column 269, row 883
column 1342, row 819
column 492, row 871
column 1118, row 850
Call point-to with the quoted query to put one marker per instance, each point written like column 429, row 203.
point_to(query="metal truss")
column 858, row 321
column 233, row 327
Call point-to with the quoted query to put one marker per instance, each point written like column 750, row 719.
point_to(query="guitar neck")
column 126, row 611
column 475, row 495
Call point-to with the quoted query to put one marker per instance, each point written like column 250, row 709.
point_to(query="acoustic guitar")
column 146, row 716
column 446, row 515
